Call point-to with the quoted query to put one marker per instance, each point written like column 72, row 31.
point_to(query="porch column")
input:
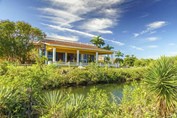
column 40, row 52
column 66, row 55
column 54, row 54
column 46, row 55
column 112, row 58
column 96, row 57
column 82, row 57
column 77, row 57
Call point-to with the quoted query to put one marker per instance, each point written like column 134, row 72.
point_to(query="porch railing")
column 83, row 64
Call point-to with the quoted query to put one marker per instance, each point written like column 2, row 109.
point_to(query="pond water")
column 115, row 89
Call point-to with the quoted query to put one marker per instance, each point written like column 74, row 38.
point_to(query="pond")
column 115, row 89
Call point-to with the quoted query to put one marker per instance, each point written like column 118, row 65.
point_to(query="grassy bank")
column 22, row 92
column 53, row 76
column 22, row 86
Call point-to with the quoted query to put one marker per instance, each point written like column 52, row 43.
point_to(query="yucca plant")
column 74, row 106
column 51, row 103
column 161, row 81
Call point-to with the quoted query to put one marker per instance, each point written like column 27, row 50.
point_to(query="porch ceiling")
column 72, row 49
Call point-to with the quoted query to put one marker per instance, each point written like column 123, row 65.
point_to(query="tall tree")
column 16, row 40
column 97, row 41
column 119, row 56
column 108, row 47
column 129, row 60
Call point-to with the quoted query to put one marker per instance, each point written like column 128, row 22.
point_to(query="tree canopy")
column 129, row 60
column 108, row 47
column 97, row 41
column 16, row 40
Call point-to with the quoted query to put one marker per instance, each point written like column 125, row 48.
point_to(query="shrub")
column 161, row 82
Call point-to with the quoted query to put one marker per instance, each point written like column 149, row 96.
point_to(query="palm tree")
column 106, row 59
column 97, row 41
column 119, row 56
column 108, row 47
column 161, row 81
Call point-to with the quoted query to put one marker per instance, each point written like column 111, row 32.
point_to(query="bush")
column 96, row 104
column 27, row 83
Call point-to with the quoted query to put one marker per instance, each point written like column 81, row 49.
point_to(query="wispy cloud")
column 152, row 38
column 144, row 16
column 98, row 25
column 172, row 53
column 59, row 17
column 89, row 15
column 69, row 30
column 152, row 46
column 116, row 42
column 151, row 27
column 171, row 44
column 56, row 36
column 81, row 33
column 137, row 48
column 125, row 31
column 156, row 25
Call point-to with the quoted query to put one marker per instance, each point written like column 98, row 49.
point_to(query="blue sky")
column 145, row 28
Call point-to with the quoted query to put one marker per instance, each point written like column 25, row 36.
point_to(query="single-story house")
column 70, row 51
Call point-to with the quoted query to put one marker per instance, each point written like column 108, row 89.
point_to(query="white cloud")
column 152, row 46
column 125, row 31
column 151, row 27
column 60, row 17
column 137, row 48
column 56, row 36
column 136, row 34
column 145, row 15
column 81, row 33
column 152, row 38
column 172, row 54
column 152, row 32
column 171, row 44
column 116, row 42
column 66, row 13
column 110, row 12
column 98, row 25
column 156, row 25
column 69, row 30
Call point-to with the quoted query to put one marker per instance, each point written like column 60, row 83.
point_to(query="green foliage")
column 51, row 102
column 97, row 41
column 6, row 96
column 119, row 54
column 142, row 62
column 136, row 103
column 3, row 68
column 16, row 40
column 95, row 104
column 106, row 59
column 23, row 93
column 108, row 47
column 99, row 104
column 129, row 60
column 161, row 81
column 27, row 83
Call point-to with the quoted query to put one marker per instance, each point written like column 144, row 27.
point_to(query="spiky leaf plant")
column 51, row 102
column 161, row 81
column 74, row 106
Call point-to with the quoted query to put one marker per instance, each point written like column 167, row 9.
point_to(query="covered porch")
column 72, row 52
column 68, row 55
